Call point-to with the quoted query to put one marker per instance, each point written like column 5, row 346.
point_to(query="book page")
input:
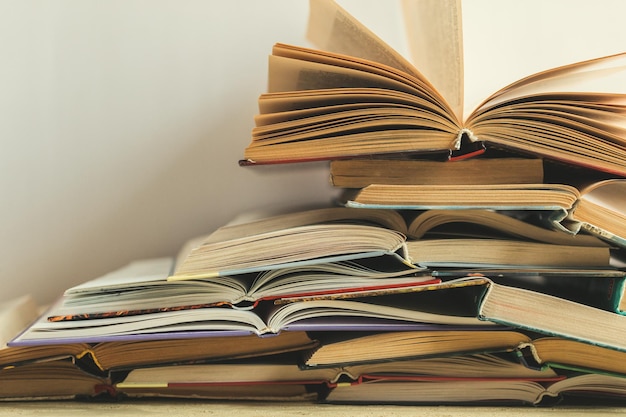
column 602, row 75
column 435, row 38
column 610, row 194
column 333, row 29
column 289, row 74
column 287, row 220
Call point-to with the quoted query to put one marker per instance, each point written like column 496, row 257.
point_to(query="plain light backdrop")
column 122, row 121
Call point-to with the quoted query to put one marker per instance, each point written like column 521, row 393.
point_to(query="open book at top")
column 357, row 96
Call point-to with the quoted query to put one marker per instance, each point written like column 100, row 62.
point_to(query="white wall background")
column 121, row 121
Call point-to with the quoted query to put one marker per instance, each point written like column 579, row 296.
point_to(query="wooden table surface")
column 170, row 408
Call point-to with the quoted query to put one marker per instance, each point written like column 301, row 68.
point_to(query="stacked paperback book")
column 468, row 259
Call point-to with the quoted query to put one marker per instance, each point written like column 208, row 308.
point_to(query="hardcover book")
column 355, row 96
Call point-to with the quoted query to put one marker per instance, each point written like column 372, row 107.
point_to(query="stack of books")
column 467, row 259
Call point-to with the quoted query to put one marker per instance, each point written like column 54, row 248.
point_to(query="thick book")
column 481, row 391
column 361, row 172
column 332, row 235
column 597, row 208
column 236, row 373
column 358, row 348
column 100, row 358
column 259, row 380
column 62, row 380
column 472, row 301
column 552, row 315
column 274, row 392
column 599, row 288
column 498, row 253
column 53, row 380
column 355, row 96
column 324, row 235
column 224, row 377
column 545, row 352
column 526, row 309
column 565, row 355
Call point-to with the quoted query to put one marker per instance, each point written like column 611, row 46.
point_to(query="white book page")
column 390, row 29
column 335, row 29
column 435, row 39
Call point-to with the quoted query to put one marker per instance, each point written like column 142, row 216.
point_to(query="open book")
column 337, row 235
column 196, row 378
column 100, row 358
column 598, row 208
column 557, row 353
column 372, row 313
column 440, row 238
column 445, row 379
column 349, row 349
column 437, row 237
column 357, row 96
column 143, row 287
column 477, row 390
column 542, row 308
column 53, row 380
column 471, row 302
column 484, row 366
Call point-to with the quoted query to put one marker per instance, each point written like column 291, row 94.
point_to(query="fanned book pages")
column 260, row 246
column 239, row 249
column 317, row 236
column 356, row 96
